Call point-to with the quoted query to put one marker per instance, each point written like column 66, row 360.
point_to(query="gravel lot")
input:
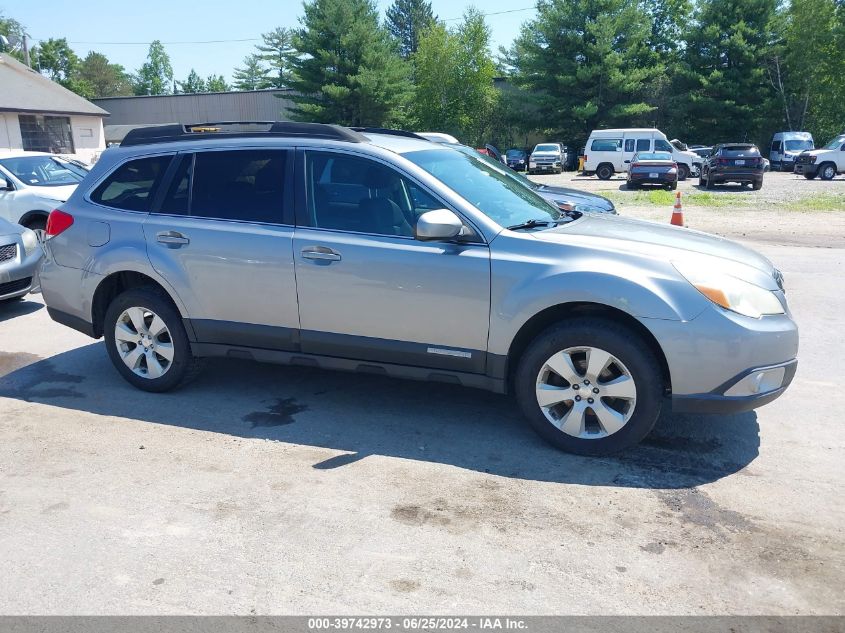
column 272, row 490
column 788, row 210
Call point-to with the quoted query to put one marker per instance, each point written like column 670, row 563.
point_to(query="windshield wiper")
column 530, row 224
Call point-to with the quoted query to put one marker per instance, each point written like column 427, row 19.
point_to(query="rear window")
column 132, row 186
column 606, row 145
column 740, row 150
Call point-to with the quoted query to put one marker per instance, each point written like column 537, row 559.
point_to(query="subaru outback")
column 316, row 245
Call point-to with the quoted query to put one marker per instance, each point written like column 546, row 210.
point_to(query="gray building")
column 207, row 107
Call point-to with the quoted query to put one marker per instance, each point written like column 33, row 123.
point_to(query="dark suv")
column 733, row 162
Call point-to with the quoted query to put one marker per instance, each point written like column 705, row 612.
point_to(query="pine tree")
column 253, row 76
column 407, row 20
column 586, row 64
column 193, row 83
column 348, row 71
column 277, row 51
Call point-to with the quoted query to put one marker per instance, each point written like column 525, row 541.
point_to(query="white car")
column 609, row 152
column 825, row 162
column 33, row 183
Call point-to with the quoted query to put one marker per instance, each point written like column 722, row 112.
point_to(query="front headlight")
column 731, row 293
column 30, row 241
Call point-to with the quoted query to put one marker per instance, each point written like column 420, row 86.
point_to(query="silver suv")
column 317, row 245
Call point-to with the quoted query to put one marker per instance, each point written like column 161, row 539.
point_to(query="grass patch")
column 821, row 202
column 719, row 200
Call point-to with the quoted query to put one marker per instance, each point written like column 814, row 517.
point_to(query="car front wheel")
column 683, row 172
column 147, row 342
column 827, row 171
column 590, row 387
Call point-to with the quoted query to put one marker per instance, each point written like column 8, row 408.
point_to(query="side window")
column 243, row 185
column 629, row 145
column 776, row 146
column 132, row 186
column 643, row 144
column 606, row 145
column 662, row 146
column 349, row 193
column 177, row 199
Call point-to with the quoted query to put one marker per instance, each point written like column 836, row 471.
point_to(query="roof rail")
column 384, row 130
column 238, row 129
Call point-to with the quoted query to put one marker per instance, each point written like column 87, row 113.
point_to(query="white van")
column 785, row 149
column 609, row 151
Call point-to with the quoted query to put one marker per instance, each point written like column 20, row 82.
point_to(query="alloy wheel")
column 144, row 342
column 586, row 392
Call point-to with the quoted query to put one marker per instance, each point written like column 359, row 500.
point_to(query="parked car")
column 546, row 157
column 33, row 183
column 607, row 151
column 825, row 162
column 786, row 146
column 739, row 163
column 19, row 256
column 652, row 168
column 414, row 260
column 517, row 159
column 570, row 201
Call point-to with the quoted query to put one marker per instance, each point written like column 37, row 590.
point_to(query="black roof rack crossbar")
column 182, row 132
column 384, row 130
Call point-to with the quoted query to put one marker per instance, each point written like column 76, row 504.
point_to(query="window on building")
column 46, row 133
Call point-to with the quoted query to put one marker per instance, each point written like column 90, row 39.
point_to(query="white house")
column 39, row 115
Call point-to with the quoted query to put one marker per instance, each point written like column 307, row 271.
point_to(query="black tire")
column 709, row 183
column 184, row 366
column 702, row 181
column 809, row 175
column 605, row 172
column 673, row 186
column 827, row 171
column 683, row 171
column 757, row 185
column 619, row 341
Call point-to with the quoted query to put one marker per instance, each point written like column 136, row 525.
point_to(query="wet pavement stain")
column 279, row 414
column 26, row 382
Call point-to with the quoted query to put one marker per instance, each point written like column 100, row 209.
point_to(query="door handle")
column 171, row 237
column 322, row 253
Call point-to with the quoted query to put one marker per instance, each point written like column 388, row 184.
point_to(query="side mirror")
column 438, row 225
column 4, row 184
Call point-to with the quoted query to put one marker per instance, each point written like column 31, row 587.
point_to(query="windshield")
column 653, row 156
column 835, row 143
column 43, row 171
column 500, row 196
column 798, row 146
column 515, row 153
column 547, row 148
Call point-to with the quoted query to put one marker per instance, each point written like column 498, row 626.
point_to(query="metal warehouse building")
column 254, row 105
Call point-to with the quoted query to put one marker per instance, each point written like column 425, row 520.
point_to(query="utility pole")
column 26, row 52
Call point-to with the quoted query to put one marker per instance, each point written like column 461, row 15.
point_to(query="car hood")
column 655, row 240
column 545, row 153
column 816, row 152
column 60, row 194
column 574, row 195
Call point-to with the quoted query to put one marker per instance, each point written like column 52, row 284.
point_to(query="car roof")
column 19, row 153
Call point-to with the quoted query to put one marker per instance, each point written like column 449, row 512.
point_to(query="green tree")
column 348, row 71
column 253, row 75
column 723, row 88
column 155, row 77
column 105, row 79
column 216, row 83
column 407, row 20
column 454, row 75
column 586, row 64
column 192, row 83
column 277, row 50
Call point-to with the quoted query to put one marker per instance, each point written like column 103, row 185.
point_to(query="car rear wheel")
column 673, row 186
column 683, row 171
column 589, row 386
column 757, row 185
column 709, row 183
column 605, row 172
column 827, row 171
column 147, row 342
column 809, row 175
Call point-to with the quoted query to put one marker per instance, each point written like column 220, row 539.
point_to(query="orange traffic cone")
column 677, row 212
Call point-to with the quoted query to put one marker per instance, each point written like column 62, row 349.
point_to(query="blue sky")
column 89, row 25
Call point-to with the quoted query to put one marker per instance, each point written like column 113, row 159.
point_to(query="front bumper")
column 17, row 273
column 806, row 168
column 750, row 389
column 543, row 167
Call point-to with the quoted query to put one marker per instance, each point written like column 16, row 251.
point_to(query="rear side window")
column 740, row 150
column 629, row 145
column 132, row 186
column 606, row 145
column 643, row 144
